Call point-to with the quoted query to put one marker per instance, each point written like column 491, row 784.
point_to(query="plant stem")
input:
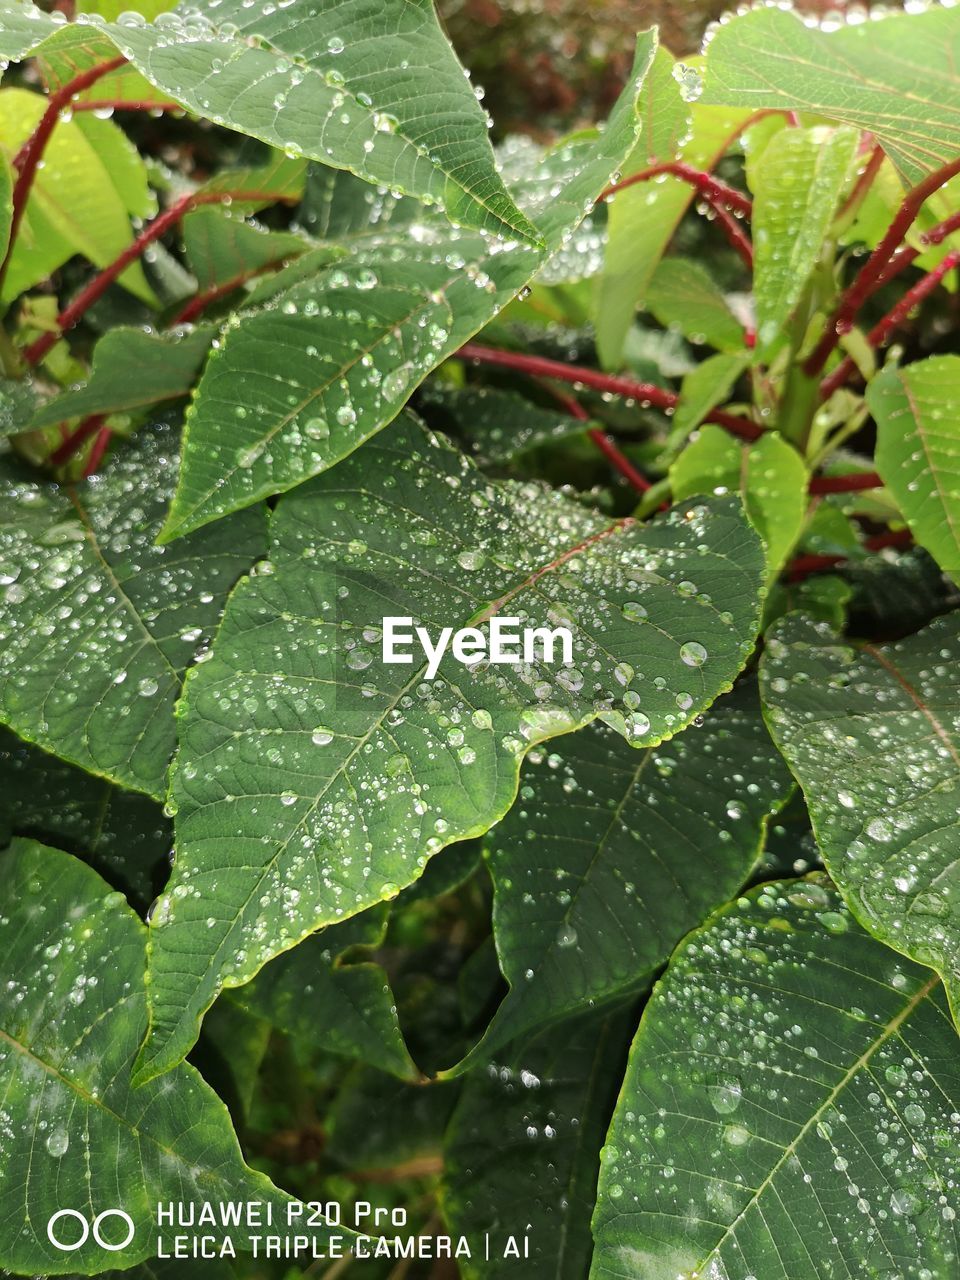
column 77, row 439
column 873, row 273
column 645, row 392
column 121, row 104
column 735, row 234
column 206, row 297
column 802, row 566
column 860, row 188
column 27, row 159
column 100, row 283
column 711, row 188
column 97, row 451
column 603, row 442
column 882, row 330
column 845, row 484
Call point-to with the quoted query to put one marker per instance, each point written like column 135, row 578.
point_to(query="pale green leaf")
column 682, row 295
column 799, row 180
column 97, row 624
column 896, row 78
column 78, row 203
column 132, row 369
column 790, row 1109
column 770, row 474
column 598, row 869
column 871, row 733
column 76, row 1134
column 643, row 219
column 706, row 386
column 917, row 412
column 321, row 746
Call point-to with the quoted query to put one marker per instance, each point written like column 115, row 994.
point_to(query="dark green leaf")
column 790, row 1109
column 97, row 624
column 871, row 734
column 598, row 868
column 321, row 747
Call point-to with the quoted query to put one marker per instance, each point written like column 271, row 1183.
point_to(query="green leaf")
column 17, row 403
column 707, row 385
column 495, row 426
column 917, row 412
column 522, row 1149
column 342, row 1008
column 97, row 624
column 381, row 1122
column 789, row 1109
column 220, row 247
column 378, row 92
column 327, row 811
column 896, row 78
column 132, row 369
column 598, row 870
column 81, row 200
column 71, row 1017
column 871, row 734
column 124, row 836
column 682, row 295
column 770, row 474
column 799, row 180
column 643, row 218
column 300, row 383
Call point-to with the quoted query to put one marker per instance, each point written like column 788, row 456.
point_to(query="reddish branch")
column 646, row 393
column 882, row 330
column 27, row 159
column 802, row 566
column 206, row 297
column 603, row 442
column 122, row 104
column 876, row 269
column 97, row 452
column 100, row 283
column 735, row 234
column 712, row 189
column 845, row 484
column 77, row 439
column 863, row 183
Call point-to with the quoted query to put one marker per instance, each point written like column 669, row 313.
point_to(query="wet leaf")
column 770, row 474
column 78, row 949
column 798, row 182
column 495, row 426
column 871, row 733
column 310, row 751
column 917, row 411
column 770, row 59
column 97, row 624
column 132, row 370
column 683, row 296
column 790, row 1108
column 300, row 383
column 598, row 867
column 522, row 1148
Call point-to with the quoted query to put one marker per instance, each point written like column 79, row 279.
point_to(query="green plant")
column 682, row 389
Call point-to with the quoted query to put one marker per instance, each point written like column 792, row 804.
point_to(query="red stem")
column 97, row 452
column 873, row 273
column 121, row 104
column 804, row 565
column 845, row 484
column 710, row 188
column 77, row 439
column 863, row 183
column 200, row 301
column 734, row 233
column 100, row 283
column 604, row 443
column 645, row 392
column 28, row 157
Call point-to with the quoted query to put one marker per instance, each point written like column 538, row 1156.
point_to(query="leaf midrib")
column 890, row 1029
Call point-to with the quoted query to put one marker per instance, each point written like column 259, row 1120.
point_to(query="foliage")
column 288, row 349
